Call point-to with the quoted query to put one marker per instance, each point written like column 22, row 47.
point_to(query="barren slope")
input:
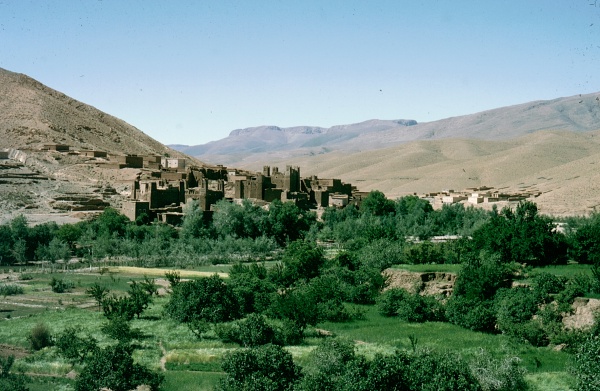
column 564, row 166
column 32, row 114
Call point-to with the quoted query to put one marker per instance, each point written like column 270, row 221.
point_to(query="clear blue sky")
column 189, row 72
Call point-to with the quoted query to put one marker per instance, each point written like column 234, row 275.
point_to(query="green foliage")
column 252, row 286
column 522, row 236
column 515, row 307
column 40, row 337
column 112, row 367
column 302, row 261
column 98, row 292
column 472, row 301
column 74, row 347
column 59, row 285
column 265, row 368
column 10, row 290
column 120, row 329
column 250, row 332
column 546, row 284
column 377, row 204
column 586, row 241
column 10, row 381
column 504, row 374
column 327, row 365
column 410, row 307
column 286, row 222
column 424, row 252
column 585, row 365
column 118, row 307
column 210, row 299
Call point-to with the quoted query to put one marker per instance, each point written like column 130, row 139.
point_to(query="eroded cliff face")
column 431, row 283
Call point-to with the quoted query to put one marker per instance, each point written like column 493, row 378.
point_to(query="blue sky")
column 189, row 72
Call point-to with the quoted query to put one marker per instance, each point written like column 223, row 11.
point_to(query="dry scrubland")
column 563, row 166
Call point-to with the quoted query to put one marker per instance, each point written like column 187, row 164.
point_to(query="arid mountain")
column 32, row 114
column 255, row 145
column 49, row 185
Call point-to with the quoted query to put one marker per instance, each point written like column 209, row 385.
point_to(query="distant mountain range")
column 247, row 146
column 551, row 148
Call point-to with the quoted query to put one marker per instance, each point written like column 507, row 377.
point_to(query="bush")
column 119, row 328
column 250, row 332
column 40, row 337
column 10, row 381
column 267, row 367
column 585, row 365
column 209, row 299
column 410, row 307
column 498, row 375
column 73, row 347
column 544, row 284
column 10, row 290
column 112, row 367
column 60, row 286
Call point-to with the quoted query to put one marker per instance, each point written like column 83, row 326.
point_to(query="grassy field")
column 192, row 364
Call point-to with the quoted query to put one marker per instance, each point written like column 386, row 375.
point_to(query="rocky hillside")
column 63, row 187
column 32, row 114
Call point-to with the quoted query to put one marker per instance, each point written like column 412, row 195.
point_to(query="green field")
column 192, row 364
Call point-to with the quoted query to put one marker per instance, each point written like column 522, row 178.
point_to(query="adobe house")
column 209, row 193
column 131, row 161
column 173, row 164
column 338, row 200
column 93, row 153
column 134, row 209
column 56, row 147
column 152, row 162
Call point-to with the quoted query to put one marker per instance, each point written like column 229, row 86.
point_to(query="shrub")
column 10, row 381
column 112, row 367
column 60, row 286
column 40, row 337
column 267, row 367
column 119, row 328
column 10, row 290
column 585, row 365
column 410, row 307
column 73, row 347
column 498, row 375
column 544, row 284
column 250, row 332
column 209, row 299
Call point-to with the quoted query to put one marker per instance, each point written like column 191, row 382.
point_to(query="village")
column 164, row 185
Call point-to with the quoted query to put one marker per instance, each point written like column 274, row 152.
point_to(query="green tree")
column 9, row 381
column 377, row 204
column 302, row 260
column 98, row 293
column 112, row 367
column 286, row 222
column 73, row 347
column 267, row 367
column 209, row 299
column 522, row 236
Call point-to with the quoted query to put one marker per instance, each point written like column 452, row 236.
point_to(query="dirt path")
column 163, row 358
column 161, row 272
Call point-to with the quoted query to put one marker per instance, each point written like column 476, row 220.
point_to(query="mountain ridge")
column 245, row 146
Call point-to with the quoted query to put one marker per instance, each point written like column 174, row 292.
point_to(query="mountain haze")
column 254, row 145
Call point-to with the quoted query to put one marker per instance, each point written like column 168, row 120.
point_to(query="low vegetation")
column 301, row 304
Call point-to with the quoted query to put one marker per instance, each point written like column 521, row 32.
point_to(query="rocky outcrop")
column 428, row 283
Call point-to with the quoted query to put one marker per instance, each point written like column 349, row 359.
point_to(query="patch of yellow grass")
column 161, row 272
